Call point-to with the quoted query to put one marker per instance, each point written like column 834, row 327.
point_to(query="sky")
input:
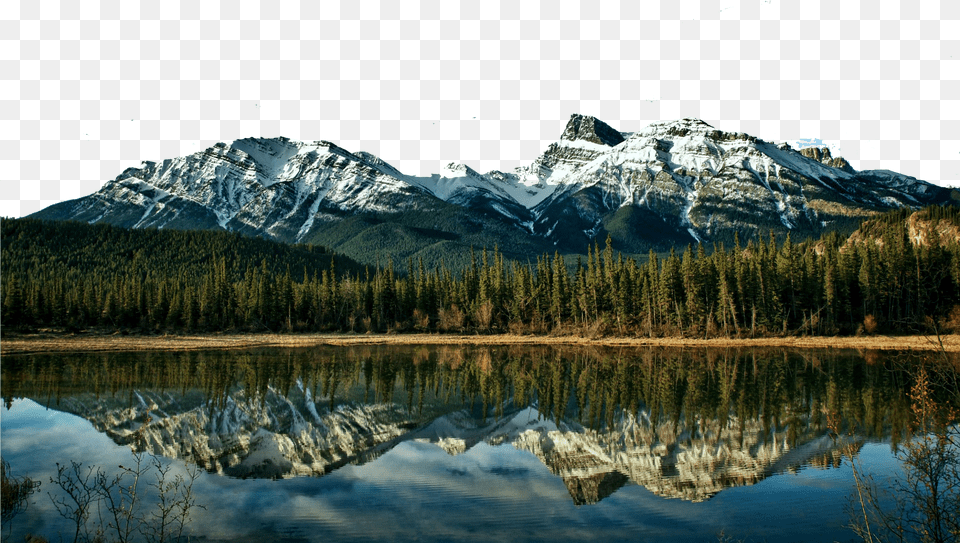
column 88, row 89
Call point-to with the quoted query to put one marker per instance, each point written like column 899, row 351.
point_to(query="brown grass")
column 40, row 343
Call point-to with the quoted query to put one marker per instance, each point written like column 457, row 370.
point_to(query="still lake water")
column 474, row 443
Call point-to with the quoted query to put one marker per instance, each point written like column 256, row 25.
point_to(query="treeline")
column 882, row 282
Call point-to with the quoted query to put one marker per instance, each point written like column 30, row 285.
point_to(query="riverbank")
column 58, row 342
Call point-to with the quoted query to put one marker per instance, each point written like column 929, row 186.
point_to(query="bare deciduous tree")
column 14, row 493
column 924, row 504
column 118, row 500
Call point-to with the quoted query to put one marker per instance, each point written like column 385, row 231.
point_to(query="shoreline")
column 61, row 343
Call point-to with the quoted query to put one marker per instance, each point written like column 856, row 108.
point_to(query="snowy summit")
column 670, row 183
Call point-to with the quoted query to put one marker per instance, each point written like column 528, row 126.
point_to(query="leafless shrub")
column 517, row 328
column 81, row 496
column 484, row 315
column 100, row 505
column 923, row 505
column 451, row 356
column 118, row 500
column 870, row 324
column 598, row 328
column 175, row 499
column 485, row 360
column 14, row 493
column 421, row 321
column 451, row 319
column 952, row 323
column 352, row 323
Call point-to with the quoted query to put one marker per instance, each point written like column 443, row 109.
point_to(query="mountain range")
column 672, row 183
column 296, row 435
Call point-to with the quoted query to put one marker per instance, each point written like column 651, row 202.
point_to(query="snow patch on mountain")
column 680, row 171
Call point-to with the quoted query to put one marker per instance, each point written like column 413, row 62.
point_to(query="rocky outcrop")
column 919, row 228
column 823, row 156
column 684, row 182
column 591, row 129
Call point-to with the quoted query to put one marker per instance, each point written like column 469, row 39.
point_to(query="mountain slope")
column 704, row 185
column 932, row 226
column 35, row 249
column 670, row 183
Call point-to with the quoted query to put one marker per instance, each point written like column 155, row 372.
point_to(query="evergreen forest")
column 884, row 278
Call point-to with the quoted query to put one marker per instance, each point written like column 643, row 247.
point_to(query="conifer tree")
column 13, row 303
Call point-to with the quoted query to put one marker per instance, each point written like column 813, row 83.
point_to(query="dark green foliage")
column 30, row 244
column 442, row 234
column 564, row 383
column 636, row 230
column 76, row 275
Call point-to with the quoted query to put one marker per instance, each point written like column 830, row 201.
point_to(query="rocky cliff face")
column 822, row 155
column 274, row 187
column 673, row 182
column 693, row 183
column 590, row 129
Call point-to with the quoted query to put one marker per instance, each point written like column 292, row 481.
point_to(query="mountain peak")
column 587, row 128
column 822, row 155
column 673, row 182
column 690, row 122
column 680, row 127
column 456, row 169
column 272, row 144
column 268, row 152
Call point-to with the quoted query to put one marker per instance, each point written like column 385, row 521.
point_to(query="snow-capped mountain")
column 290, row 435
column 670, row 183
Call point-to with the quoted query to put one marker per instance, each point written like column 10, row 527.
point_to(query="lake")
column 476, row 443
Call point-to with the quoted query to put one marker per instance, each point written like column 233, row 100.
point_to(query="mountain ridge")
column 293, row 434
column 670, row 183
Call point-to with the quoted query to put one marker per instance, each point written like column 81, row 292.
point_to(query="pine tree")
column 670, row 292
column 14, row 305
column 559, row 293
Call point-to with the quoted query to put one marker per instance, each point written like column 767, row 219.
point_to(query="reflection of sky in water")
column 417, row 491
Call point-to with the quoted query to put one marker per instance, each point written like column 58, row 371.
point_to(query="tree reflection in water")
column 683, row 423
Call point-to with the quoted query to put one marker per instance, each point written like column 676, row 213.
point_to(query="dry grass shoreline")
column 62, row 343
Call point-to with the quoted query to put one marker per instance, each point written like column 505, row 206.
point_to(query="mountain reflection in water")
column 682, row 423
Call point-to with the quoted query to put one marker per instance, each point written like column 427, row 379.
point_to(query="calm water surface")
column 443, row 443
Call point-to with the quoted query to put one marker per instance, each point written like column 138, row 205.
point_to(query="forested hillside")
column 885, row 278
column 76, row 274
